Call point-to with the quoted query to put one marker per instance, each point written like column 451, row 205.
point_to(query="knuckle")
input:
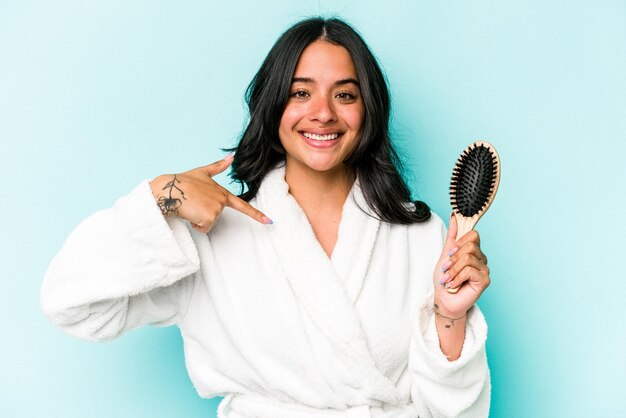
column 474, row 237
column 210, row 218
column 222, row 199
column 451, row 272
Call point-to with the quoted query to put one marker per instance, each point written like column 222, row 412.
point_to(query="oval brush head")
column 474, row 179
column 474, row 184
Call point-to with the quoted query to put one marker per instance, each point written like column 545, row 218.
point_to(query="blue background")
column 98, row 95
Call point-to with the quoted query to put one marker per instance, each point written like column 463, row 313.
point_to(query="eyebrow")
column 336, row 83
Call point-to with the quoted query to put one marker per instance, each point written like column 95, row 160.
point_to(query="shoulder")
column 433, row 226
column 426, row 237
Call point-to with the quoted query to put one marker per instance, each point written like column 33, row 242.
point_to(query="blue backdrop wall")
column 96, row 96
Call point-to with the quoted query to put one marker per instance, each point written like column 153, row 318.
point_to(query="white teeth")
column 317, row 137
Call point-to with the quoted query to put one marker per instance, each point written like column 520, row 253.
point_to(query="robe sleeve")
column 121, row 268
column 442, row 388
column 459, row 388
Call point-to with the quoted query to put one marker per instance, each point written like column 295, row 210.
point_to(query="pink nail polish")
column 453, row 251
column 446, row 265
column 445, row 278
column 267, row 220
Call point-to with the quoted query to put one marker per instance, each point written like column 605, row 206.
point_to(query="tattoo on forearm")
column 168, row 204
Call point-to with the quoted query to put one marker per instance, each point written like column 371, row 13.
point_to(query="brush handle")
column 464, row 225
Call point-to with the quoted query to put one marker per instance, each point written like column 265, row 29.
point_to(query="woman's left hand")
column 462, row 263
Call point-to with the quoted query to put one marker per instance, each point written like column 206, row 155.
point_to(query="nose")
column 322, row 110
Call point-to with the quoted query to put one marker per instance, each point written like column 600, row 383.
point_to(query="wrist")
column 449, row 319
column 450, row 305
column 156, row 184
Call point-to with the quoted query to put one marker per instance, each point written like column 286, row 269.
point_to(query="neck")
column 318, row 190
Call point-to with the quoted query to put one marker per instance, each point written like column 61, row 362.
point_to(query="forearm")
column 451, row 332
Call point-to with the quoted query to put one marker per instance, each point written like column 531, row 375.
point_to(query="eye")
column 299, row 94
column 346, row 96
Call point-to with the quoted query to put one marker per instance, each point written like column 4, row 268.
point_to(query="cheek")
column 354, row 117
column 286, row 127
column 356, row 123
column 289, row 119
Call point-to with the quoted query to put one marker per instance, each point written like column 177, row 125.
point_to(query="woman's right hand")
column 196, row 197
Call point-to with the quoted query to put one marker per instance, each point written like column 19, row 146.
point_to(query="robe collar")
column 327, row 288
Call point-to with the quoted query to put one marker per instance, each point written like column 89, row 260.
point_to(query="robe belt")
column 251, row 406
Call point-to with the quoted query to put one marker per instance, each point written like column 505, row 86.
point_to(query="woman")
column 333, row 310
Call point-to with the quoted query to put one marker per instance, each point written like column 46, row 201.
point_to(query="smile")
column 317, row 137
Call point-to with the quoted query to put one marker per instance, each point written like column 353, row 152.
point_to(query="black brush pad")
column 473, row 179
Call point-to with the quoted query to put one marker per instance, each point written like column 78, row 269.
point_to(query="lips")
column 320, row 137
column 321, row 141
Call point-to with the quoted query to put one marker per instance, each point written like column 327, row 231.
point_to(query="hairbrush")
column 474, row 184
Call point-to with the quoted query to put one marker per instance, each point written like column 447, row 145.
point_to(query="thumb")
column 218, row 166
column 450, row 237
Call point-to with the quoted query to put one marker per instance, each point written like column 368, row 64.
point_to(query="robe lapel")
column 316, row 283
column 355, row 243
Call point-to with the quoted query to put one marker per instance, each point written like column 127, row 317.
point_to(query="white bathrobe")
column 268, row 320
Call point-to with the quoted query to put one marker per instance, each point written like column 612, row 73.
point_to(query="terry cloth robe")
column 268, row 320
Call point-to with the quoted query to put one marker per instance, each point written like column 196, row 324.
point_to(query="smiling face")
column 323, row 119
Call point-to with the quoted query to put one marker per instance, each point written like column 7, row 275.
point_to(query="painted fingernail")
column 453, row 251
column 444, row 278
column 267, row 220
column 229, row 157
column 448, row 285
column 446, row 265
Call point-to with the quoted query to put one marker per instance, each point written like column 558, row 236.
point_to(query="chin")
column 319, row 164
column 323, row 166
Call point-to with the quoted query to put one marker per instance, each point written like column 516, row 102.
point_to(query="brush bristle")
column 473, row 180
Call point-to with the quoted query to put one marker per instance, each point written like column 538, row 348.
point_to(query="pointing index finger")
column 246, row 208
